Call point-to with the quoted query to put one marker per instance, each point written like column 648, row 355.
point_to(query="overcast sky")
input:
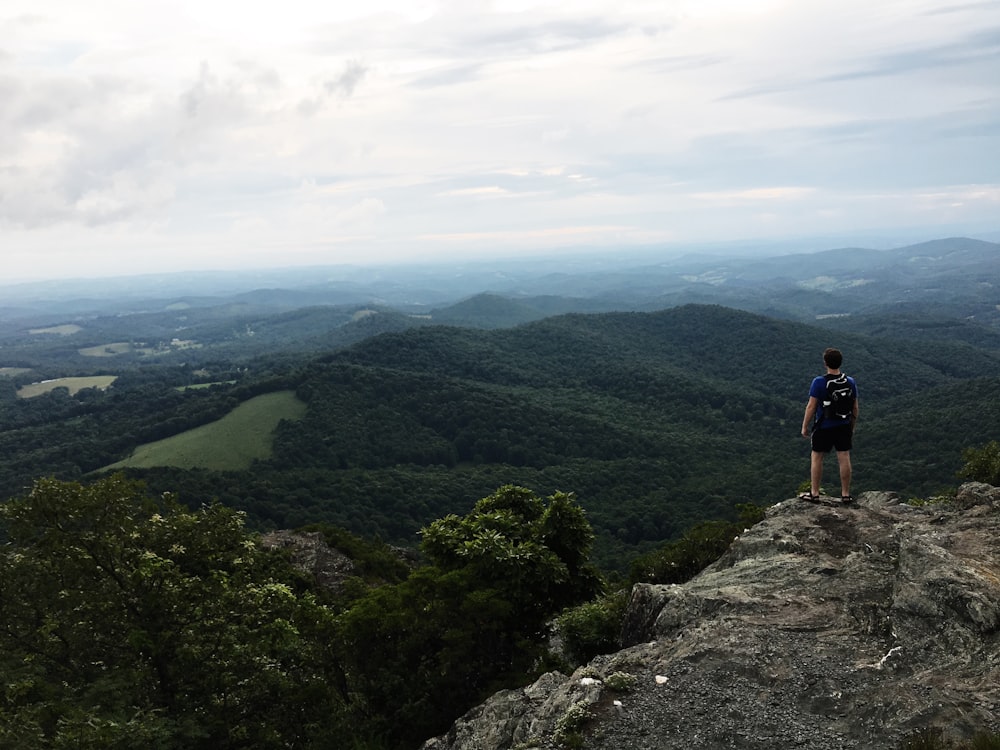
column 149, row 135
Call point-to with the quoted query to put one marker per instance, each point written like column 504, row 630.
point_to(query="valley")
column 661, row 395
column 347, row 516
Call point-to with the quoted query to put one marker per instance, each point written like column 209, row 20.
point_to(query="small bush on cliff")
column 620, row 682
column 568, row 734
column 982, row 464
column 700, row 546
column 593, row 628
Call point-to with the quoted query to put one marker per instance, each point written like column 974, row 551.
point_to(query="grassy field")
column 198, row 386
column 124, row 347
column 64, row 330
column 73, row 384
column 12, row 371
column 106, row 350
column 229, row 444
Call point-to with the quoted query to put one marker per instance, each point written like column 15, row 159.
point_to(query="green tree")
column 593, row 628
column 982, row 464
column 536, row 554
column 130, row 622
column 422, row 652
column 701, row 545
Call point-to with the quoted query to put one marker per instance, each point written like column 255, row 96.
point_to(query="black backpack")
column 839, row 401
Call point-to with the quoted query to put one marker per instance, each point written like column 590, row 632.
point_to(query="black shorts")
column 823, row 441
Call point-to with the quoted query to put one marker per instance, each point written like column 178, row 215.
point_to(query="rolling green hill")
column 656, row 420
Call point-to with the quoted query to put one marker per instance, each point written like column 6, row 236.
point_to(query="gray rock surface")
column 824, row 627
column 310, row 553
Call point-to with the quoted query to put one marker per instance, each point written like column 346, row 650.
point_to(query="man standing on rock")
column 829, row 421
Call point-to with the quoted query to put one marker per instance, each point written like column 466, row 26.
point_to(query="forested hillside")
column 656, row 420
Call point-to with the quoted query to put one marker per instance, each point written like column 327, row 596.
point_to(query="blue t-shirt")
column 818, row 390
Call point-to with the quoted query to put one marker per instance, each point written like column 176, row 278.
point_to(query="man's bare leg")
column 816, row 471
column 844, row 460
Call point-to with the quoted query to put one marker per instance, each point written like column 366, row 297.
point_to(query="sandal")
column 847, row 499
column 809, row 497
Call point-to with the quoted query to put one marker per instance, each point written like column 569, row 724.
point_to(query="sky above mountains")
column 188, row 134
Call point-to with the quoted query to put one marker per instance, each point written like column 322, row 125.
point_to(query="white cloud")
column 485, row 191
column 763, row 194
column 295, row 128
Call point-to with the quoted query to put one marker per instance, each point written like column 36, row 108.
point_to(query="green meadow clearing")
column 64, row 330
column 124, row 347
column 200, row 386
column 228, row 444
column 73, row 384
column 106, row 350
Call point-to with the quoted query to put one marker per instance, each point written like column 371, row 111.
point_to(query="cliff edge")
column 822, row 627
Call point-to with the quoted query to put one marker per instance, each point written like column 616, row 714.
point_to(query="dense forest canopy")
column 656, row 420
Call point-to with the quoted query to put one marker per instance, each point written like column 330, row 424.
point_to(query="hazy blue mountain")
column 495, row 311
column 803, row 285
column 944, row 290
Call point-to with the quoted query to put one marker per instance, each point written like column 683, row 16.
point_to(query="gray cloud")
column 676, row 63
column 467, row 32
column 981, row 46
column 76, row 149
column 546, row 36
column 988, row 4
column 211, row 99
column 482, row 36
column 449, row 76
column 342, row 86
column 347, row 81
column 859, row 154
column 493, row 43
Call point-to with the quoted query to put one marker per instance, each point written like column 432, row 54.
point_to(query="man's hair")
column 833, row 358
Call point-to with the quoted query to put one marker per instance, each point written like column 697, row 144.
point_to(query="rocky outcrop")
column 824, row 627
column 310, row 553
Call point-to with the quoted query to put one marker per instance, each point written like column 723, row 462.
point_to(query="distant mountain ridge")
column 488, row 310
column 959, row 275
column 710, row 340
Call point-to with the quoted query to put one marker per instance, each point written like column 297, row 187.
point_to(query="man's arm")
column 807, row 418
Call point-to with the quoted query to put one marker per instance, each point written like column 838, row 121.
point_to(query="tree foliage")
column 135, row 623
column 699, row 547
column 982, row 464
column 592, row 628
column 474, row 619
column 132, row 622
